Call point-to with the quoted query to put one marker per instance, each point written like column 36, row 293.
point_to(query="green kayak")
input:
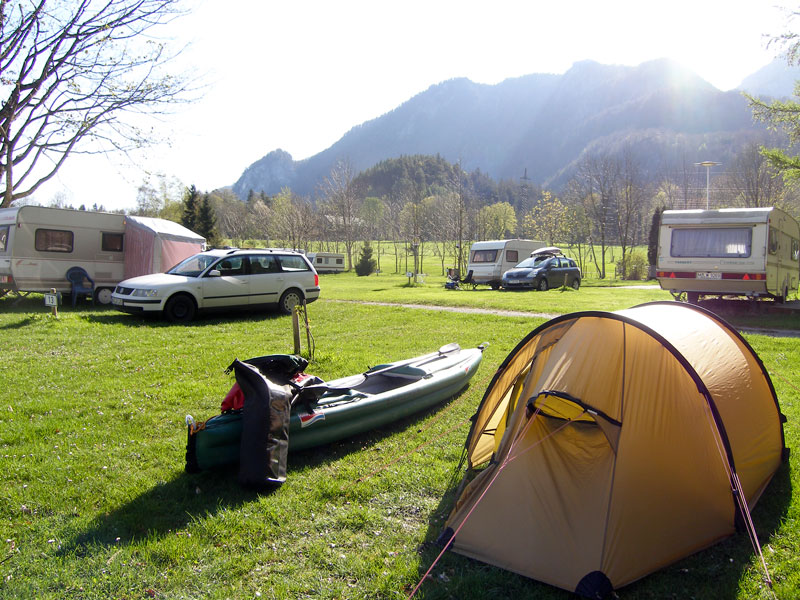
column 323, row 412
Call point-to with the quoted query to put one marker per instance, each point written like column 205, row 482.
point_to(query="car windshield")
column 193, row 266
column 534, row 262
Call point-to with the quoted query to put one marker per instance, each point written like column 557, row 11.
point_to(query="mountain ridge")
column 539, row 124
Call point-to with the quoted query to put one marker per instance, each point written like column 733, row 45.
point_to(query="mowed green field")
column 95, row 503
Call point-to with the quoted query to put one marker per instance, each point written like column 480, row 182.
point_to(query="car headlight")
column 533, row 273
column 144, row 293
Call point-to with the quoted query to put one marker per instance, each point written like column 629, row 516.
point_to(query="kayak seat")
column 406, row 372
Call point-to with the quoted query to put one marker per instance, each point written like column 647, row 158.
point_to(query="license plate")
column 116, row 301
column 709, row 275
column 514, row 281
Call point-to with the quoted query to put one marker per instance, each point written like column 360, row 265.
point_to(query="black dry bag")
column 265, row 428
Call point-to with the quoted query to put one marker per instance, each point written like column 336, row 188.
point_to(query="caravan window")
column 484, row 256
column 111, row 242
column 712, row 242
column 772, row 244
column 512, row 256
column 54, row 240
column 3, row 238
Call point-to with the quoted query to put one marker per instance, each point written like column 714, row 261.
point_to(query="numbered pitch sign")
column 51, row 299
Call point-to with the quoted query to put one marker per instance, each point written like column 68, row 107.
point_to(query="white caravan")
column 327, row 262
column 39, row 244
column 490, row 259
column 730, row 251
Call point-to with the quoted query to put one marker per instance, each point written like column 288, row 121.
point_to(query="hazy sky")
column 298, row 74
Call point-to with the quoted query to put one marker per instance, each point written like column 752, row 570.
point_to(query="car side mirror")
column 214, row 273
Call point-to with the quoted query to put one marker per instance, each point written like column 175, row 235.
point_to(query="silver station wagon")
column 222, row 280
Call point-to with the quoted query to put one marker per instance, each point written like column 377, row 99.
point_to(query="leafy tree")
column 292, row 220
column 631, row 201
column 343, row 198
column 594, row 183
column 546, row 221
column 366, row 264
column 753, row 178
column 782, row 114
column 498, row 220
column 160, row 198
column 71, row 72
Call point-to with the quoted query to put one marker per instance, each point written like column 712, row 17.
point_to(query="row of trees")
column 608, row 202
column 79, row 77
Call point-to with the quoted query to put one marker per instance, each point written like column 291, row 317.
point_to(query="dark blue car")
column 542, row 272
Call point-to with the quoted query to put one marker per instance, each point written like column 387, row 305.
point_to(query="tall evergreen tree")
column 366, row 263
column 207, row 222
column 652, row 243
column 191, row 208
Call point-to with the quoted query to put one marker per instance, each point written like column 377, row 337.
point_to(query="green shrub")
column 635, row 267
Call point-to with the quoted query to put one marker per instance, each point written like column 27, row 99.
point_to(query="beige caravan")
column 488, row 260
column 731, row 251
column 39, row 244
column 327, row 262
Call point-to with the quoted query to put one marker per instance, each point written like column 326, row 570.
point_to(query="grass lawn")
column 94, row 501
column 397, row 289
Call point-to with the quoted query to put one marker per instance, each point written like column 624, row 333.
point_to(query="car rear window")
column 293, row 263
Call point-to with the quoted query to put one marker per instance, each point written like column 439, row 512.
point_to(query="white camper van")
column 39, row 244
column 752, row 252
column 489, row 260
column 327, row 262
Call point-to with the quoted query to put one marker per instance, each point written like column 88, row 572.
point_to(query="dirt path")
column 458, row 309
column 517, row 313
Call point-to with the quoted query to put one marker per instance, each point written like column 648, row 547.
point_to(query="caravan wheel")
column 103, row 295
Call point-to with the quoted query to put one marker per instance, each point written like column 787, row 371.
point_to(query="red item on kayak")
column 234, row 399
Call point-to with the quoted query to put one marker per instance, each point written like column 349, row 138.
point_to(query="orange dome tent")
column 616, row 443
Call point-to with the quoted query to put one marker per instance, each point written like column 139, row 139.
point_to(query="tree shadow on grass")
column 170, row 506
column 200, row 321
column 166, row 507
column 711, row 573
column 33, row 308
column 25, row 322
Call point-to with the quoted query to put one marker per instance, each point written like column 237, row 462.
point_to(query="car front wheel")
column 576, row 283
column 542, row 287
column 289, row 300
column 180, row 309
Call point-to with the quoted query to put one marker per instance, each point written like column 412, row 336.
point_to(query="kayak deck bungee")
column 326, row 412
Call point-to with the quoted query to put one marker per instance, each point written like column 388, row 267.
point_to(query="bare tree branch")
column 74, row 77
